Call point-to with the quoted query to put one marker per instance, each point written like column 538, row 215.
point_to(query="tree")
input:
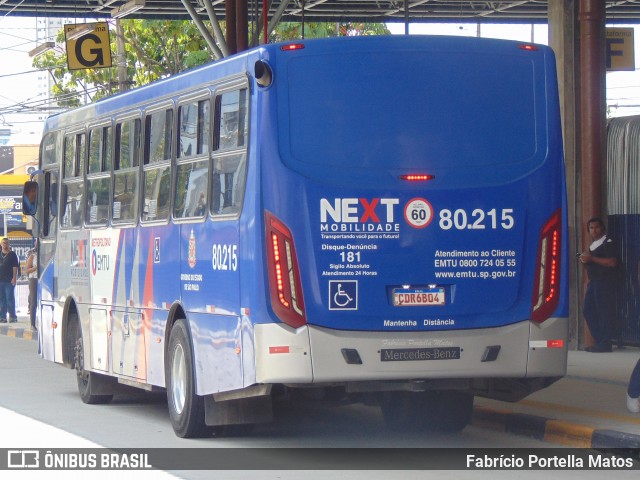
column 294, row 30
column 155, row 49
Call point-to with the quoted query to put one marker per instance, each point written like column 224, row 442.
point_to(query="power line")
column 46, row 104
column 21, row 73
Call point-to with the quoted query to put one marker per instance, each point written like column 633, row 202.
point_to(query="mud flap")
column 238, row 411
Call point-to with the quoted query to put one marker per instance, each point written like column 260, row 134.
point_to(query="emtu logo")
column 358, row 210
column 99, row 262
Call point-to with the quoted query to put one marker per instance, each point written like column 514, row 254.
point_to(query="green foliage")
column 293, row 30
column 155, row 49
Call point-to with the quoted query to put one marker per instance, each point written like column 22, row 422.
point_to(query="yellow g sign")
column 90, row 49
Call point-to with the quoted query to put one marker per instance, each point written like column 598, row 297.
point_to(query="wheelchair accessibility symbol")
column 343, row 294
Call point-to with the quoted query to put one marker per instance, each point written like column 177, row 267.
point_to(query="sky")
column 17, row 85
column 18, row 80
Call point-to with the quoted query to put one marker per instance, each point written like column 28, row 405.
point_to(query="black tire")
column 443, row 411
column 86, row 380
column 186, row 409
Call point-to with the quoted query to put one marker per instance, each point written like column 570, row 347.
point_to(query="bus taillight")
column 546, row 286
column 284, row 275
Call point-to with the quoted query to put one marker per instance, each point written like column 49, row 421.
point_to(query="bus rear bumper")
column 316, row 355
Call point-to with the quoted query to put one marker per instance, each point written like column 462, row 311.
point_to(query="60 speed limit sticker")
column 418, row 212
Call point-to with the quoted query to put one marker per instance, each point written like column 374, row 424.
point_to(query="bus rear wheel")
column 443, row 411
column 186, row 409
column 87, row 381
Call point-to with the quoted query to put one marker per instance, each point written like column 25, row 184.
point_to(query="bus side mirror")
column 30, row 198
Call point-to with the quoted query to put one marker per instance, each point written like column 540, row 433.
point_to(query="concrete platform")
column 587, row 408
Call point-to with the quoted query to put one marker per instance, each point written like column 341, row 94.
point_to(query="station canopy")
column 507, row 11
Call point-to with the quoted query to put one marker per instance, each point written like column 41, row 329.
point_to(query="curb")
column 18, row 332
column 551, row 430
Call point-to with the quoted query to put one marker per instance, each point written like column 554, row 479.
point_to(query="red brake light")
column 546, row 287
column 292, row 46
column 284, row 275
column 529, row 47
column 417, row 177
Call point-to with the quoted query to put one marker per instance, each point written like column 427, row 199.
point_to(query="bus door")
column 50, row 346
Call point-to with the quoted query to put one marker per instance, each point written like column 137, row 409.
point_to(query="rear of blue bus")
column 413, row 201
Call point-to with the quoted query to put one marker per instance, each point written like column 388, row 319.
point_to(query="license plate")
column 418, row 297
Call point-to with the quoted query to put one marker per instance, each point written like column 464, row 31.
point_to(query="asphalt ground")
column 585, row 409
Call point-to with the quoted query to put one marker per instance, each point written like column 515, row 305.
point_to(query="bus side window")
column 229, row 160
column 98, row 176
column 191, row 189
column 49, row 149
column 50, row 204
column 231, row 120
column 73, row 184
column 50, row 153
column 192, row 169
column 126, row 172
column 228, row 183
column 157, row 165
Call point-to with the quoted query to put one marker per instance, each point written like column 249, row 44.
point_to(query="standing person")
column 600, row 260
column 9, row 265
column 633, row 390
column 32, row 274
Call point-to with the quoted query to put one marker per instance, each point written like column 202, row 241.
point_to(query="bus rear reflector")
column 279, row 349
column 555, row 343
column 285, row 285
column 546, row 286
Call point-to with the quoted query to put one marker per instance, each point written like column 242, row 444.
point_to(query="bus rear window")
column 453, row 109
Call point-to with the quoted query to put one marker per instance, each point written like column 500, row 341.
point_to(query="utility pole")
column 593, row 126
column 121, row 58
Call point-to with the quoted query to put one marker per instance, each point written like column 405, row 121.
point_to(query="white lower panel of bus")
column 319, row 355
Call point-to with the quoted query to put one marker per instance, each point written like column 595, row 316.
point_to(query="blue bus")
column 372, row 219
